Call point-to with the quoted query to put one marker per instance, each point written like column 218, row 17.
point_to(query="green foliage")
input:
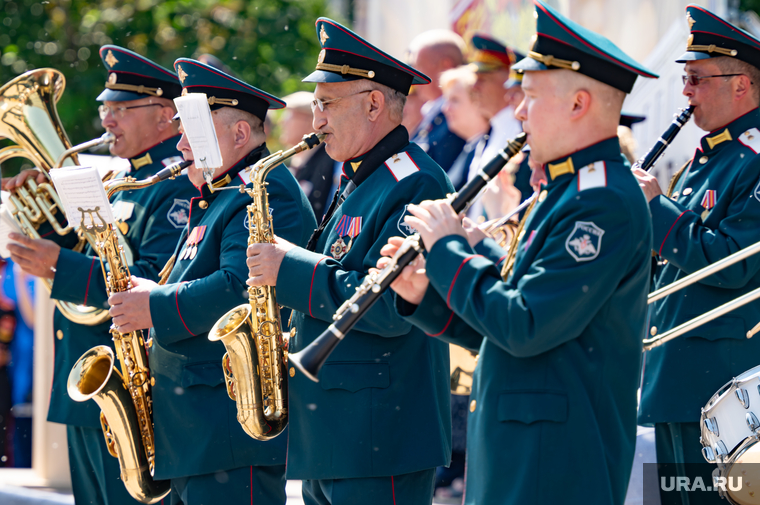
column 271, row 44
column 749, row 5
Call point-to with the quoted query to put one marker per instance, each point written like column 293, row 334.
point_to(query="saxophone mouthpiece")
column 173, row 171
column 313, row 139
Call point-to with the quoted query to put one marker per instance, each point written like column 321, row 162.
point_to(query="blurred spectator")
column 463, row 118
column 314, row 169
column 15, row 367
column 413, row 110
column 432, row 53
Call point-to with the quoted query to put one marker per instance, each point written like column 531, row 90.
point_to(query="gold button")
column 292, row 372
column 703, row 160
column 473, row 404
column 542, row 195
column 203, row 204
column 686, row 191
column 152, row 381
column 653, row 331
column 59, row 334
column 150, row 343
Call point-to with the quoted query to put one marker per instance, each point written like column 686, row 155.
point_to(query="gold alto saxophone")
column 256, row 361
column 123, row 397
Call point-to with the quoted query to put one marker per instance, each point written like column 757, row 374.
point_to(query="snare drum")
column 730, row 426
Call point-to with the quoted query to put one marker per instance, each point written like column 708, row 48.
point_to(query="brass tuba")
column 255, row 364
column 123, row 397
column 28, row 118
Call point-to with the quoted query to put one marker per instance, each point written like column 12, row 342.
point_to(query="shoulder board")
column 245, row 176
column 401, row 165
column 172, row 160
column 592, row 176
column 751, row 139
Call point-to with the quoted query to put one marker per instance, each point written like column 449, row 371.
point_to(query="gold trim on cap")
column 110, row 59
column 345, row 69
column 712, row 48
column 112, row 78
column 723, row 136
column 566, row 167
column 230, row 102
column 143, row 90
column 551, row 61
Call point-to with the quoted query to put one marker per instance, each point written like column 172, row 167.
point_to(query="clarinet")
column 648, row 161
column 310, row 359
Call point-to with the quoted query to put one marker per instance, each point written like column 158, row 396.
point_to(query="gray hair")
column 394, row 100
column 728, row 65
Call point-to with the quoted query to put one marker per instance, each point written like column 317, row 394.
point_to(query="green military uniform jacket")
column 381, row 407
column 715, row 211
column 196, row 425
column 153, row 218
column 553, row 403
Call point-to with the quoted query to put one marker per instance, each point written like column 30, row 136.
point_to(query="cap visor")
column 528, row 65
column 325, row 76
column 692, row 56
column 482, row 67
column 112, row 95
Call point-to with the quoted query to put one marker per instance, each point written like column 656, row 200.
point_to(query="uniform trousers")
column 250, row 485
column 408, row 489
column 95, row 474
column 678, row 445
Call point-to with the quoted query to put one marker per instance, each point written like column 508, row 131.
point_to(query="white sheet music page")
column 81, row 189
column 198, row 125
column 7, row 225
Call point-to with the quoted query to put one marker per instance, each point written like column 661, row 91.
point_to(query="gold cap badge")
column 111, row 59
column 323, row 35
column 690, row 20
column 182, row 74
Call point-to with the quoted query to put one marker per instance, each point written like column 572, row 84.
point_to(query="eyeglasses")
column 694, row 80
column 317, row 103
column 119, row 112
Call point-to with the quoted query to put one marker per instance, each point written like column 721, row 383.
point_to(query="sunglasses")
column 694, row 80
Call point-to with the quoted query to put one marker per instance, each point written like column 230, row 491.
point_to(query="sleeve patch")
column 757, row 192
column 585, row 241
column 401, row 165
column 404, row 228
column 592, row 176
column 751, row 139
column 179, row 213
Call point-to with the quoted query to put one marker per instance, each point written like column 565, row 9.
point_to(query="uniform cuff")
column 295, row 280
column 166, row 315
column 446, row 265
column 432, row 315
column 665, row 215
column 489, row 248
column 74, row 277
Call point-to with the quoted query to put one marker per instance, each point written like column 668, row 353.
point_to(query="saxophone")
column 255, row 363
column 123, row 397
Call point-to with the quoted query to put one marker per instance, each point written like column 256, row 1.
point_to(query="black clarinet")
column 648, row 161
column 312, row 357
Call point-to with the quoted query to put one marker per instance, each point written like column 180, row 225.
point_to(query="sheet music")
column 7, row 225
column 198, row 125
column 81, row 187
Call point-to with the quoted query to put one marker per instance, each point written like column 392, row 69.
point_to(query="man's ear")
column 242, row 133
column 165, row 119
column 581, row 103
column 742, row 86
column 376, row 104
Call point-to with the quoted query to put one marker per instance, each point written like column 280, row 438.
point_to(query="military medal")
column 198, row 238
column 189, row 243
column 339, row 247
column 353, row 230
column 708, row 202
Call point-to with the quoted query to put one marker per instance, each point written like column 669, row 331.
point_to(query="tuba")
column 123, row 397
column 256, row 360
column 28, row 118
